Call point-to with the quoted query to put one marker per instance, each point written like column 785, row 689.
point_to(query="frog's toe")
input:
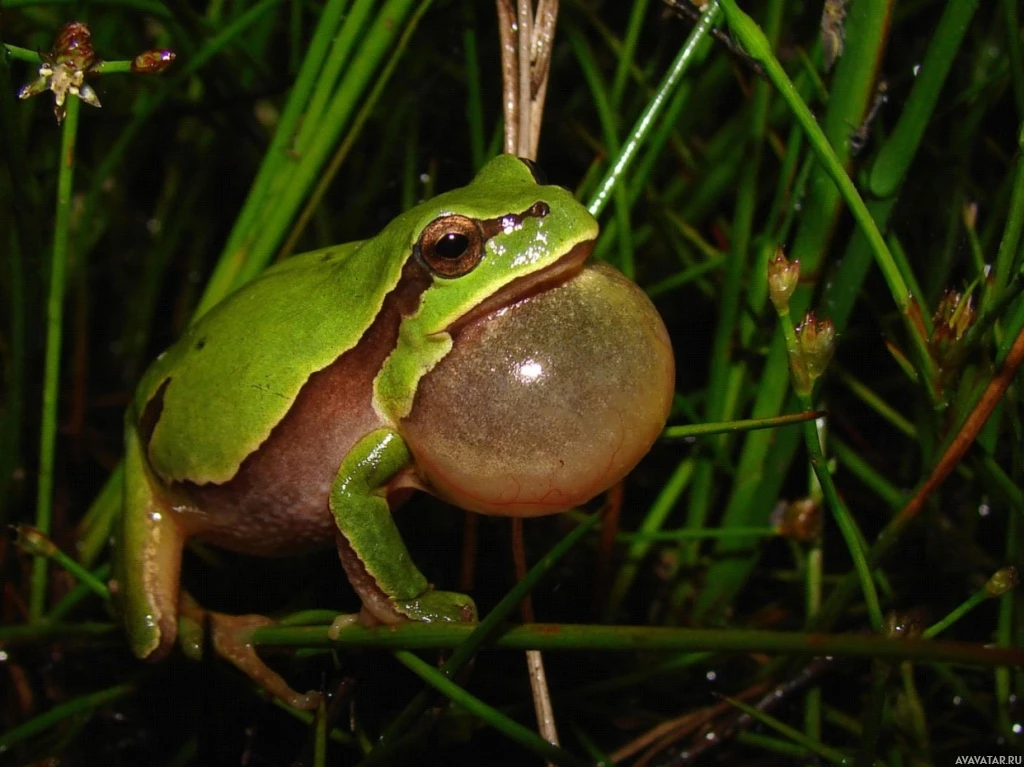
column 231, row 639
column 440, row 607
column 343, row 621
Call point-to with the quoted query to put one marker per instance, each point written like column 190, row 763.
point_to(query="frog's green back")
column 238, row 370
column 235, row 373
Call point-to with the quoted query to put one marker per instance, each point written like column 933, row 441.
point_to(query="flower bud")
column 953, row 318
column 899, row 625
column 799, row 520
column 782, row 279
column 1004, row 580
column 815, row 344
column 152, row 62
column 33, row 541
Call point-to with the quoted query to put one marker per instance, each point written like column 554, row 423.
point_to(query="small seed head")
column 152, row 62
column 783, row 277
column 1002, row 581
column 817, row 340
column 799, row 520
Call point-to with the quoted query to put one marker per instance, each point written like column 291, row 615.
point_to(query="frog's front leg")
column 371, row 549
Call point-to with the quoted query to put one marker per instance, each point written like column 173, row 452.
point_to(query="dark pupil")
column 452, row 245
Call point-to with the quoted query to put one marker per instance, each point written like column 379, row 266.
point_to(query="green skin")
column 209, row 405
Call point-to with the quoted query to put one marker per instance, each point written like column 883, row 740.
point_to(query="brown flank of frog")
column 277, row 503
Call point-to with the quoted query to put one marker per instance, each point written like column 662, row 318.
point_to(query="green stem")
column 493, row 717
column 756, row 45
column 1008, row 635
column 871, row 728
column 595, row 637
column 843, row 518
column 32, row 540
column 829, row 754
column 606, row 116
column 894, row 158
column 686, row 534
column 1013, row 50
column 87, row 704
column 51, row 371
column 728, row 427
column 626, row 54
column 320, row 735
column 1009, row 251
column 22, row 54
column 647, row 534
column 653, row 110
column 286, row 195
column 477, row 636
column 841, row 514
column 957, row 613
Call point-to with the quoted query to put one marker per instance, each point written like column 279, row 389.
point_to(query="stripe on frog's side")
column 277, row 503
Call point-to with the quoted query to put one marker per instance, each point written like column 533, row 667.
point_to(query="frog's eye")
column 452, row 245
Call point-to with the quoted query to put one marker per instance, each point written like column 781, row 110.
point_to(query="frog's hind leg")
column 147, row 559
column 147, row 556
column 229, row 636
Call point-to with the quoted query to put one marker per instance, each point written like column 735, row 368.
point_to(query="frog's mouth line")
column 558, row 273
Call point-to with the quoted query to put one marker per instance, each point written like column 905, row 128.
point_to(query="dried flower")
column 65, row 68
column 72, row 59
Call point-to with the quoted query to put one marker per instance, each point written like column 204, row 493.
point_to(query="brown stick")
column 526, row 43
column 534, row 660
column 509, row 73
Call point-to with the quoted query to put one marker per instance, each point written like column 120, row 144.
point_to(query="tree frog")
column 467, row 350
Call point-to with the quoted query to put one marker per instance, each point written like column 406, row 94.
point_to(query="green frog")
column 468, row 350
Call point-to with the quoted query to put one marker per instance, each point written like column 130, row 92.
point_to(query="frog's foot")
column 438, row 607
column 342, row 622
column 229, row 635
